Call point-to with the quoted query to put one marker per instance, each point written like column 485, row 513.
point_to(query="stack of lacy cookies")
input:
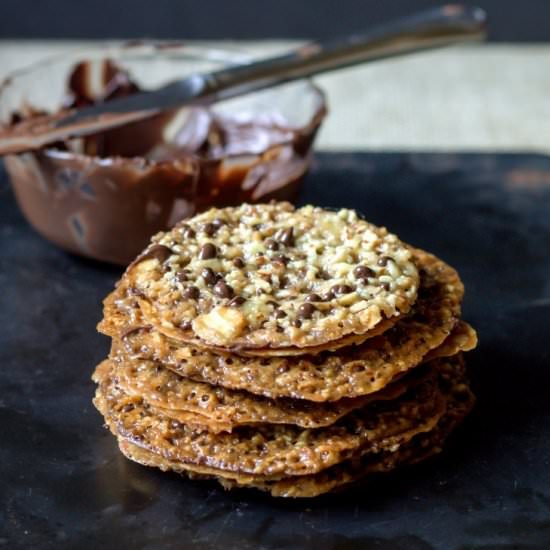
column 292, row 350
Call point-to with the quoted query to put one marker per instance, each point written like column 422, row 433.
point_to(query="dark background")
column 510, row 20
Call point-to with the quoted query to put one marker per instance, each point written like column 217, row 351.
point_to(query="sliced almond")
column 220, row 326
column 370, row 316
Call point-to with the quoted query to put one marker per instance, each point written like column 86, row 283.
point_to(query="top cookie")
column 269, row 275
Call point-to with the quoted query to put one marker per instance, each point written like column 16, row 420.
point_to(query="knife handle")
column 437, row 27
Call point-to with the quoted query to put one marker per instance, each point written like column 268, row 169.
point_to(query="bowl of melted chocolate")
column 103, row 196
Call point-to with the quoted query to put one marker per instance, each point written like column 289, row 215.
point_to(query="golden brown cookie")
column 217, row 409
column 462, row 338
column 271, row 276
column 123, row 315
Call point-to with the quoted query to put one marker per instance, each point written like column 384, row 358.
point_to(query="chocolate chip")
column 280, row 314
column 297, row 323
column 191, row 293
column 322, row 274
column 207, row 252
column 181, row 276
column 286, row 236
column 158, row 251
column 363, row 272
column 313, row 298
column 186, row 325
column 306, row 310
column 238, row 263
column 386, row 286
column 188, row 232
column 209, row 229
column 327, row 296
column 237, row 301
column 223, row 290
column 133, row 291
column 341, row 289
column 281, row 259
column 271, row 244
column 209, row 276
column 383, row 261
column 218, row 222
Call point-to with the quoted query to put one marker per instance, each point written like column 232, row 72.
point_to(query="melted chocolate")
column 104, row 195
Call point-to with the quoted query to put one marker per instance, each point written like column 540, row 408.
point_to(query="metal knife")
column 434, row 28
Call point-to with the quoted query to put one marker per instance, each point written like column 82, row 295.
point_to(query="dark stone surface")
column 63, row 484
